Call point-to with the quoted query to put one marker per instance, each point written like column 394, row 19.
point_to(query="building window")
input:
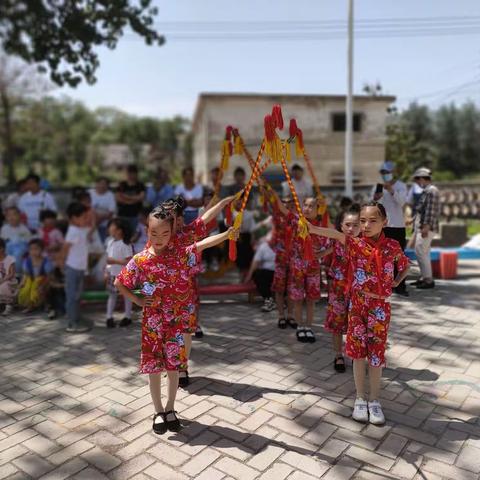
column 339, row 122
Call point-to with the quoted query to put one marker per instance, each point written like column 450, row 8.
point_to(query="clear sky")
column 164, row 81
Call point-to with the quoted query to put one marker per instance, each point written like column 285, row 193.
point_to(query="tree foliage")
column 62, row 35
column 64, row 141
column 446, row 140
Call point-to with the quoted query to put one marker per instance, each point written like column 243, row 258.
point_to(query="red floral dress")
column 337, row 307
column 187, row 235
column 303, row 275
column 168, row 278
column 279, row 246
column 371, row 270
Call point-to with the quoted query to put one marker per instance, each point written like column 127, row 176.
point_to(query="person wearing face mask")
column 392, row 194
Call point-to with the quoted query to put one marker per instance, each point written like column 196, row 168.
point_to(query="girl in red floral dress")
column 337, row 308
column 371, row 261
column 186, row 235
column 281, row 230
column 303, row 283
column 163, row 272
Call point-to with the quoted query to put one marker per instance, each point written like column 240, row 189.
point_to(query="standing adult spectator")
column 13, row 199
column 160, row 190
column 213, row 177
column 239, row 177
column 392, row 194
column 302, row 186
column 103, row 204
column 130, row 196
column 192, row 193
column 34, row 200
column 414, row 195
column 426, row 224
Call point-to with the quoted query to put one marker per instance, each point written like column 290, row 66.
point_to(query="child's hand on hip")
column 145, row 301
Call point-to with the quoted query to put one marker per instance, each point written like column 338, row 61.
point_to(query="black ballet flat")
column 310, row 336
column 291, row 321
column 184, row 381
column 282, row 323
column 159, row 427
column 339, row 364
column 172, row 425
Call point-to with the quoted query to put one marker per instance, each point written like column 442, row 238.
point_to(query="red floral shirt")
column 167, row 277
column 371, row 264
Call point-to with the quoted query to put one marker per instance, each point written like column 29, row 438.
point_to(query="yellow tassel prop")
column 298, row 149
column 302, row 228
column 225, row 155
column 237, row 223
column 288, row 152
column 237, row 147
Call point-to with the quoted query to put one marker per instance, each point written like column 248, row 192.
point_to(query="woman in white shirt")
column 192, row 193
column 119, row 253
column 104, row 205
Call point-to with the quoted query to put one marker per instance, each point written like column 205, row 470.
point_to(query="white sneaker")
column 8, row 310
column 268, row 305
column 376, row 413
column 360, row 410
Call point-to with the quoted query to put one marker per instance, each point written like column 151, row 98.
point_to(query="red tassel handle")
column 269, row 125
column 308, row 248
column 277, row 116
column 228, row 216
column 325, row 219
column 292, row 131
column 232, row 250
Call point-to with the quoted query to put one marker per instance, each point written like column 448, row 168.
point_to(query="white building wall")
column 313, row 114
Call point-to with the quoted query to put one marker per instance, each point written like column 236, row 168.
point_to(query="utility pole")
column 349, row 108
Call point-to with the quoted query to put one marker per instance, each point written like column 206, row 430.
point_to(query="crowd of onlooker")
column 44, row 257
column 45, row 253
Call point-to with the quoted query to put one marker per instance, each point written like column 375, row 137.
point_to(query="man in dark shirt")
column 130, row 196
column 239, row 177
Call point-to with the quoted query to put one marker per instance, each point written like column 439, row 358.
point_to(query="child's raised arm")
column 216, row 239
column 213, row 212
column 327, row 232
column 325, row 253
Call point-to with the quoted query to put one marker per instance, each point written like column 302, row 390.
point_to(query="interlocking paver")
column 101, row 459
column 32, row 464
column 260, row 404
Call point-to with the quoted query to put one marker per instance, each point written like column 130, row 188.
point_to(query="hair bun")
column 180, row 205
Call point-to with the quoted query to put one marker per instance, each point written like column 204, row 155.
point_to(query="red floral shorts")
column 281, row 273
column 368, row 322
column 303, row 281
column 337, row 308
column 163, row 347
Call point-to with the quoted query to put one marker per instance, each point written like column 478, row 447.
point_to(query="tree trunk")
column 9, row 152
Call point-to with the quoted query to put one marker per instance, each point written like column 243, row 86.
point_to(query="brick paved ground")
column 260, row 404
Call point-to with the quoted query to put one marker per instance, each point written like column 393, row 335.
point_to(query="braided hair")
column 169, row 210
column 379, row 206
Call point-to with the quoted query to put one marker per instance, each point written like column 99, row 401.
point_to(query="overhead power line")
column 310, row 30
